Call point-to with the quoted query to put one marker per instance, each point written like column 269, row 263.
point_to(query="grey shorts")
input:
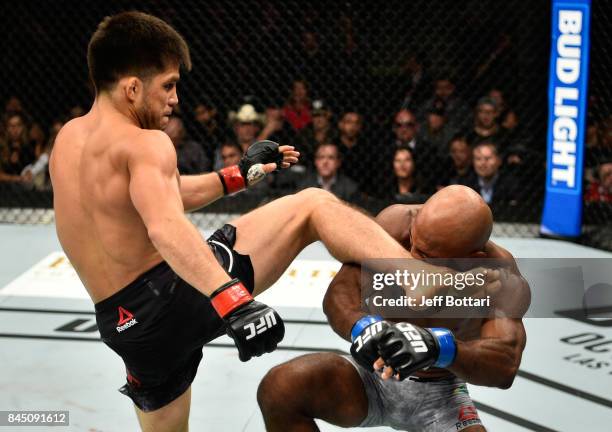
column 431, row 406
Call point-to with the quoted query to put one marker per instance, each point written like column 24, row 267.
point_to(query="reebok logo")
column 126, row 320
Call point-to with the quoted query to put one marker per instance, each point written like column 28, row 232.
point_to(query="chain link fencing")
column 597, row 228
column 412, row 96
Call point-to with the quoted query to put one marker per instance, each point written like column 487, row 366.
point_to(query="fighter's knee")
column 287, row 384
column 273, row 387
column 316, row 196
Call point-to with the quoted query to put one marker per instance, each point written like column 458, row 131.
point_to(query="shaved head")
column 454, row 222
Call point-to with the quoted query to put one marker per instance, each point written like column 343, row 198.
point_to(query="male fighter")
column 455, row 222
column 160, row 291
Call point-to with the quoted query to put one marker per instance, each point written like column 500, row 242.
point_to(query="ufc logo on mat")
column 265, row 322
column 367, row 335
column 414, row 336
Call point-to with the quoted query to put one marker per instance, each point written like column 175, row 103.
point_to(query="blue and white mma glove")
column 364, row 348
column 408, row 348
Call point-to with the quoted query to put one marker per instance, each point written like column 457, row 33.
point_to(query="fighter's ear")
column 132, row 87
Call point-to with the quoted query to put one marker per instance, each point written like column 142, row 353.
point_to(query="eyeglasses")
column 404, row 124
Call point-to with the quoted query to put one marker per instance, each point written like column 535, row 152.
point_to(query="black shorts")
column 159, row 323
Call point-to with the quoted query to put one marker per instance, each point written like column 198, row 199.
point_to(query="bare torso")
column 99, row 228
column 463, row 329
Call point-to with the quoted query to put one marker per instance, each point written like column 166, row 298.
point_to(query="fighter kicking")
column 160, row 291
column 357, row 391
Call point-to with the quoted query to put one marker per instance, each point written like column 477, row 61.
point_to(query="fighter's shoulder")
column 398, row 216
column 493, row 250
column 149, row 146
column 70, row 129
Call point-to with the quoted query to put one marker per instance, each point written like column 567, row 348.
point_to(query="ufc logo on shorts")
column 265, row 322
column 414, row 336
column 367, row 335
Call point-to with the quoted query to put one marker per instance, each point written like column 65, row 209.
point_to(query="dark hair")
column 24, row 138
column 133, row 43
column 460, row 136
column 329, row 144
column 404, row 148
column 233, row 145
column 416, row 174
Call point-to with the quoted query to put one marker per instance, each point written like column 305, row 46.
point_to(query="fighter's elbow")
column 506, row 376
column 158, row 232
column 328, row 305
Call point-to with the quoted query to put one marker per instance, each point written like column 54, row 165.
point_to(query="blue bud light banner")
column 567, row 106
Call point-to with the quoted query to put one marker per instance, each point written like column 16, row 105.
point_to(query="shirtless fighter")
column 160, row 291
column 455, row 222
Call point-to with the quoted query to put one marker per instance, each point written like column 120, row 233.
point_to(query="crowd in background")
column 429, row 142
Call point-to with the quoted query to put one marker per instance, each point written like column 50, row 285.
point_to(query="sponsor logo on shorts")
column 126, row 319
column 468, row 416
column 265, row 322
column 135, row 382
column 461, row 389
column 468, row 413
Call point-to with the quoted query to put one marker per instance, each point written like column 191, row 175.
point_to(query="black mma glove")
column 364, row 348
column 255, row 327
column 250, row 168
column 408, row 348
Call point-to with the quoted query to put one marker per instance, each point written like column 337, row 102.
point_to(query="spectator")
column 279, row 130
column 190, row 154
column 231, row 153
column 600, row 189
column 38, row 139
column 461, row 171
column 14, row 105
column 327, row 163
column 275, row 127
column 297, row 108
column 17, row 151
column 600, row 147
column 36, row 175
column 207, row 128
column 457, row 112
column 485, row 126
column 495, row 186
column 318, row 132
column 405, row 129
column 437, row 132
column 356, row 155
column 507, row 118
column 407, row 187
column 247, row 123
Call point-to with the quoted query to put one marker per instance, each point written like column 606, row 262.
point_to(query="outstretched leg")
column 274, row 234
column 323, row 386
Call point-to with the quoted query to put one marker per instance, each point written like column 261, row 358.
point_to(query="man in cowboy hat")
column 247, row 123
